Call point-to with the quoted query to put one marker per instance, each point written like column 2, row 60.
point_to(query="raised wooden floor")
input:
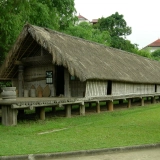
column 11, row 107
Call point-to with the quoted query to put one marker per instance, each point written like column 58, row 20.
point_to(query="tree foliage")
column 115, row 25
column 54, row 14
column 86, row 31
column 121, row 43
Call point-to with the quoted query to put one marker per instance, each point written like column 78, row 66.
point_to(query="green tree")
column 86, row 31
column 156, row 54
column 118, row 30
column 121, row 43
column 115, row 25
column 54, row 14
column 143, row 53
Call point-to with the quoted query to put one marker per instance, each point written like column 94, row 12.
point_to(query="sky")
column 141, row 15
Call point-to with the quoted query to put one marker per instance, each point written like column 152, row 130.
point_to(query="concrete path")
column 140, row 152
column 144, row 154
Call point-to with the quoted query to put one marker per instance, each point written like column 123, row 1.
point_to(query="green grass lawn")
column 134, row 126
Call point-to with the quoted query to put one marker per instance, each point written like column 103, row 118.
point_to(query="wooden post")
column 42, row 113
column 66, row 83
column 129, row 103
column 82, row 109
column 9, row 116
column 98, row 107
column 142, row 101
column 110, row 105
column 20, row 81
column 68, row 111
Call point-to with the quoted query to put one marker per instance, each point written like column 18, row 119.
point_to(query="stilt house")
column 59, row 64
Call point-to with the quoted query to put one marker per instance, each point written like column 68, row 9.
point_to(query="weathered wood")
column 66, row 83
column 98, row 108
column 110, row 105
column 20, row 81
column 20, row 106
column 142, row 101
column 42, row 113
column 82, row 110
column 95, row 88
column 18, row 63
column 36, row 59
column 9, row 116
column 129, row 103
column 35, row 79
column 68, row 111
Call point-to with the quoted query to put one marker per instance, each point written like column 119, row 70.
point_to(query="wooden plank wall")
column 158, row 88
column 96, row 88
column 77, row 88
column 37, row 76
column 120, row 88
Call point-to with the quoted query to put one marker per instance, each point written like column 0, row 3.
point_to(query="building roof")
column 155, row 43
column 81, row 17
column 84, row 59
column 94, row 21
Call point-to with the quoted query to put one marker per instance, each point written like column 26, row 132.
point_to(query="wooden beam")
column 82, row 110
column 110, row 105
column 37, row 59
column 35, row 79
column 20, row 81
column 18, row 63
column 42, row 113
column 142, row 101
column 98, row 108
column 129, row 103
column 66, row 83
column 68, row 111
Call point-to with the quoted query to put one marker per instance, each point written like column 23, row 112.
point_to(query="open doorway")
column 59, row 80
column 109, row 88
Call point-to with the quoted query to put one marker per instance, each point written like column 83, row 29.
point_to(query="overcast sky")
column 143, row 16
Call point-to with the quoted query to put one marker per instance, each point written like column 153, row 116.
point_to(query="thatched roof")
column 84, row 59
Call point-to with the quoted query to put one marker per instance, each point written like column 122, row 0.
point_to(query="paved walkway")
column 144, row 154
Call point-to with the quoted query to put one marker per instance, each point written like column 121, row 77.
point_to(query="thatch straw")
column 88, row 60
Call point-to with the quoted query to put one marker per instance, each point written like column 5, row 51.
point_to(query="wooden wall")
column 120, row 88
column 96, row 88
column 99, row 88
column 77, row 88
column 36, row 76
column 158, row 88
